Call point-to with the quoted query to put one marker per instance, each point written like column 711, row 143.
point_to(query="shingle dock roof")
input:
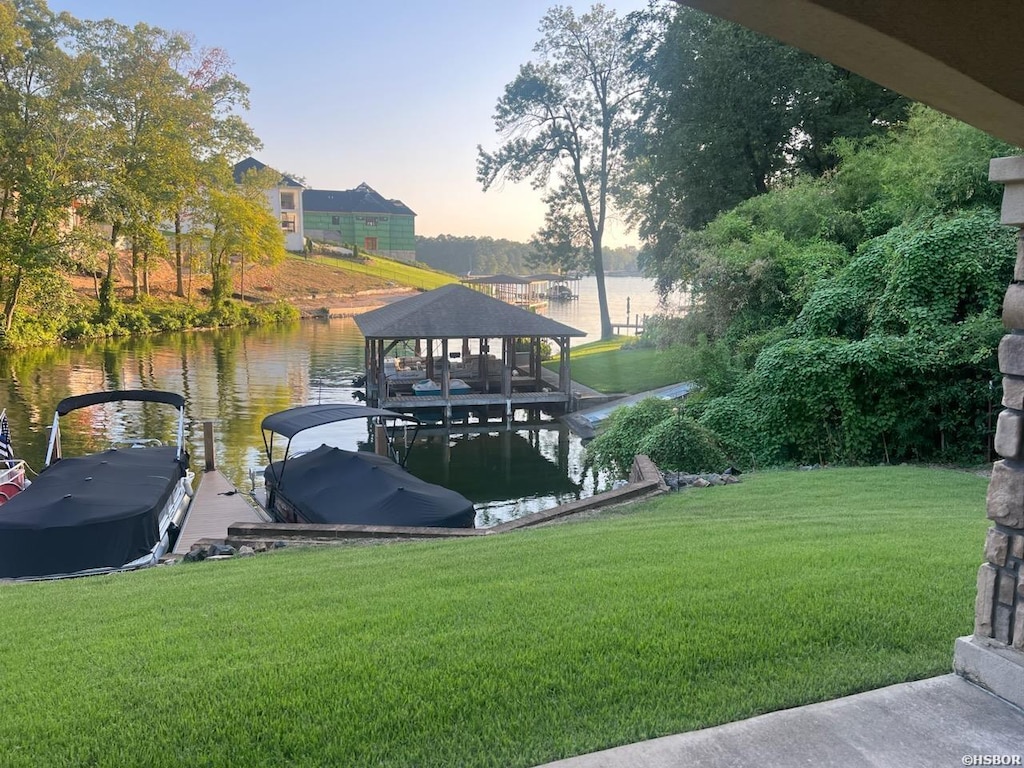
column 455, row 312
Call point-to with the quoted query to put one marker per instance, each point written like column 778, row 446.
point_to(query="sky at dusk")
column 397, row 95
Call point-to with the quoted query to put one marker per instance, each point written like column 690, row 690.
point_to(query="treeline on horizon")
column 489, row 256
column 844, row 256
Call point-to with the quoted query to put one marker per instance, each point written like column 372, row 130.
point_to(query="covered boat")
column 334, row 486
column 115, row 510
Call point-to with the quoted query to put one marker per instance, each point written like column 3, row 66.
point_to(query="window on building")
column 370, row 221
column 370, row 243
column 335, row 220
column 288, row 222
column 287, row 201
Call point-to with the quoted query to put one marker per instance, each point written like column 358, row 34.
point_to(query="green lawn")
column 604, row 366
column 399, row 272
column 691, row 610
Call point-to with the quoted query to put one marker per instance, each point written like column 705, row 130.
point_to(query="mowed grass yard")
column 687, row 611
column 607, row 367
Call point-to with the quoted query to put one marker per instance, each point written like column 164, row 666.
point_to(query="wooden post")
column 536, row 369
column 483, row 366
column 446, row 385
column 508, row 355
column 565, row 375
column 208, row 447
column 380, row 440
column 382, row 379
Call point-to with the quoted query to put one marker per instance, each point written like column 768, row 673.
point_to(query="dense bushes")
column 78, row 322
column 852, row 318
column 661, row 430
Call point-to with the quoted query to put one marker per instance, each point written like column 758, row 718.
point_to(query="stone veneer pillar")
column 994, row 656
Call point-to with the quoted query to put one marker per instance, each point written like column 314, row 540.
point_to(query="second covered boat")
column 330, row 485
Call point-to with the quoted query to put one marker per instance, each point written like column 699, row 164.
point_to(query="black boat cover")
column 294, row 420
column 94, row 511
column 331, row 485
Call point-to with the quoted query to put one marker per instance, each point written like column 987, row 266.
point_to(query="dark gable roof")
column 454, row 312
column 362, row 199
column 252, row 164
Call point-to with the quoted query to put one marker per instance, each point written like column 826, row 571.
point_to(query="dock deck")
column 216, row 505
column 518, row 399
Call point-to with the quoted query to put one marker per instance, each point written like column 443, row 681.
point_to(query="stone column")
column 994, row 656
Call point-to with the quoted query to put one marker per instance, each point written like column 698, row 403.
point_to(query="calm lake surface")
column 636, row 293
column 235, row 377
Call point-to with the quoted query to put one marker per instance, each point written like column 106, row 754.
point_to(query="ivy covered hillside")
column 851, row 316
column 840, row 244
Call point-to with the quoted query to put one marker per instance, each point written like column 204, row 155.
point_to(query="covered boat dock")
column 525, row 292
column 431, row 355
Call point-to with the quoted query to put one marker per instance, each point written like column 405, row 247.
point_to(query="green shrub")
column 731, row 420
column 620, row 440
column 680, row 443
column 132, row 320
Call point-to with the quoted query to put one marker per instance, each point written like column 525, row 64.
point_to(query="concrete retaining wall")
column 644, row 481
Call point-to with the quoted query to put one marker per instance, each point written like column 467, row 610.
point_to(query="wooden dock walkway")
column 217, row 504
column 518, row 400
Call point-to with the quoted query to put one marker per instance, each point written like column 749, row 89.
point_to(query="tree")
column 40, row 144
column 162, row 112
column 563, row 119
column 240, row 225
column 135, row 94
column 210, row 129
column 473, row 255
column 730, row 114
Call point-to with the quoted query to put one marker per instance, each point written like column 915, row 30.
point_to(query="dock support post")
column 208, row 449
column 380, row 440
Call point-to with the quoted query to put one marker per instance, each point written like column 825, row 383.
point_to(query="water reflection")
column 507, row 474
column 235, row 377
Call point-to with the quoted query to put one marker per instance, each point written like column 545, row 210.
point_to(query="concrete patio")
column 942, row 721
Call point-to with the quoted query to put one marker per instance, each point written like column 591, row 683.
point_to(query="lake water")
column 635, row 294
column 235, row 377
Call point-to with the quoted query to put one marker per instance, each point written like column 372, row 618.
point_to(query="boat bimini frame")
column 69, row 404
column 291, row 422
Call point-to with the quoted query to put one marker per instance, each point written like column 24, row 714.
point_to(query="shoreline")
column 349, row 305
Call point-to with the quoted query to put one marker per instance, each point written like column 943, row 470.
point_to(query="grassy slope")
column 692, row 610
column 296, row 278
column 604, row 366
column 393, row 270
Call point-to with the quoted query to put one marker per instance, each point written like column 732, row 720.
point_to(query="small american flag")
column 6, row 451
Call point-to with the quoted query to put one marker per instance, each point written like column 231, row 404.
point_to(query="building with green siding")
column 360, row 217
